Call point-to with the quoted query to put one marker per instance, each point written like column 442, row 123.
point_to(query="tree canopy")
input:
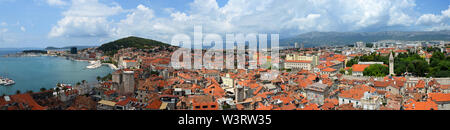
column 376, row 70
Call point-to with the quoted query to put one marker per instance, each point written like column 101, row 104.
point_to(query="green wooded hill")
column 137, row 42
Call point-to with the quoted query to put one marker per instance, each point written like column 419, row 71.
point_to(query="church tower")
column 391, row 64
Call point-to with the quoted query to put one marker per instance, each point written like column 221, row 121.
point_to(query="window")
column 204, row 106
column 213, row 106
column 197, row 107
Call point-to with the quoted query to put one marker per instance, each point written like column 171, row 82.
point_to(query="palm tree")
column 43, row 89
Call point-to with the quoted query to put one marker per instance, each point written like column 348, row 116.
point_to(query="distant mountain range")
column 68, row 47
column 312, row 39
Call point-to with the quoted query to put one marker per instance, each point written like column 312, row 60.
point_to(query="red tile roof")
column 426, row 105
column 381, row 83
column 329, row 70
column 27, row 99
column 359, row 67
column 439, row 97
column 312, row 106
column 356, row 92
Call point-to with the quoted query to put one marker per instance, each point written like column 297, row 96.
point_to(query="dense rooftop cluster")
column 309, row 79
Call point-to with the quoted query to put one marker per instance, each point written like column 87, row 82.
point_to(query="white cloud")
column 446, row 13
column 3, row 24
column 139, row 21
column 90, row 18
column 85, row 18
column 429, row 19
column 56, row 2
column 278, row 16
column 23, row 29
column 435, row 21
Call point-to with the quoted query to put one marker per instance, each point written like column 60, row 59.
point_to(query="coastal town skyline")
column 74, row 22
column 223, row 63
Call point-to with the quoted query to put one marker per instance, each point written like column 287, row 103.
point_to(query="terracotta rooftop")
column 356, row 92
column 329, row 70
column 359, row 67
column 439, row 97
column 426, row 105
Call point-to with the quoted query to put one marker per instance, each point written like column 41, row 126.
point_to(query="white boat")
column 6, row 81
column 2, row 82
column 9, row 82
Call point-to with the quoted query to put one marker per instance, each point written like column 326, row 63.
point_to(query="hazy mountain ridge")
column 68, row 47
column 341, row 38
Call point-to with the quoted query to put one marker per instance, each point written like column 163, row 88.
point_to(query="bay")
column 34, row 73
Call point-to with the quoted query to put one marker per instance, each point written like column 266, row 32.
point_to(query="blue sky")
column 42, row 23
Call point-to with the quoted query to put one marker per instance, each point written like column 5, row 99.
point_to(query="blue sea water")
column 33, row 73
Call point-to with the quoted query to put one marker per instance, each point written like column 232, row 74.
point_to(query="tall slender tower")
column 391, row 64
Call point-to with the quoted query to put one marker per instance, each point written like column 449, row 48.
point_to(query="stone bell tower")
column 391, row 64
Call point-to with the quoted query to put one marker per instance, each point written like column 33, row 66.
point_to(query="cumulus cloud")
column 85, row 18
column 436, row 21
column 90, row 18
column 296, row 16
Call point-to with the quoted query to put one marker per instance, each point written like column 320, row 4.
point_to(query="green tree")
column 342, row 71
column 436, row 58
column 376, row 70
column 18, row 92
column 43, row 89
column 439, row 65
column 418, row 67
column 351, row 62
column 411, row 63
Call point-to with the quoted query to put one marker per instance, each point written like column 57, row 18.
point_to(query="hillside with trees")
column 141, row 43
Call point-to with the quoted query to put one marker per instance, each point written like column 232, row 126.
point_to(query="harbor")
column 34, row 73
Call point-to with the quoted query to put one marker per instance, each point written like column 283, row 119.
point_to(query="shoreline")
column 111, row 66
